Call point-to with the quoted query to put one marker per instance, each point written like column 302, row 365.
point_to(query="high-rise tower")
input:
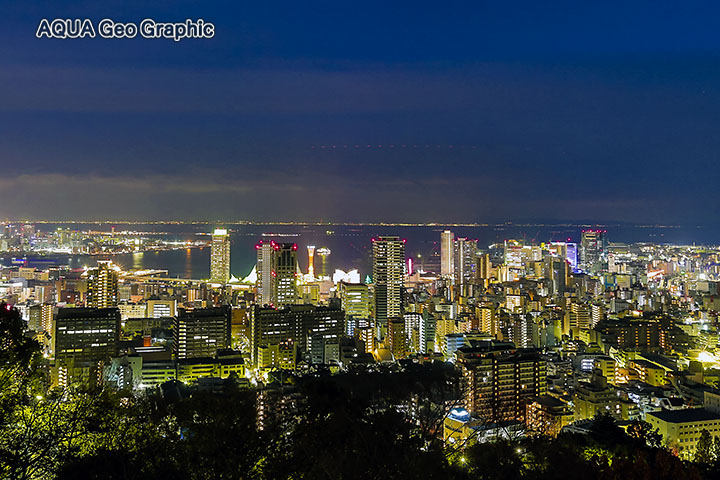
column 277, row 270
column 285, row 279
column 311, row 261
column 592, row 247
column 465, row 260
column 264, row 269
column 220, row 256
column 388, row 277
column 484, row 268
column 446, row 253
column 102, row 285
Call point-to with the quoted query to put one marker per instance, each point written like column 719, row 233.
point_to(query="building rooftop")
column 685, row 416
column 550, row 401
column 645, row 364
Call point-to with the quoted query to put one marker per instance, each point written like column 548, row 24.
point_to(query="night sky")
column 485, row 111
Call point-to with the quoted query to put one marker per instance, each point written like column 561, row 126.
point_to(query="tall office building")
column 513, row 254
column 286, row 272
column 592, row 247
column 446, row 253
column 557, row 270
column 202, row 332
column 85, row 339
column 484, row 268
column 558, row 249
column 264, row 269
column 220, row 256
column 466, row 260
column 277, row 274
column 102, row 285
column 572, row 255
column 355, row 299
column 298, row 325
column 388, row 277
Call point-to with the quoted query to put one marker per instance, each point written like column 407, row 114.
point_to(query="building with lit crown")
column 264, row 269
column 277, row 274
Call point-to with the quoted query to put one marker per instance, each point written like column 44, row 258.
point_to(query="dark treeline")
column 364, row 424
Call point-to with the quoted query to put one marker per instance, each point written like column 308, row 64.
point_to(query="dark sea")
column 350, row 246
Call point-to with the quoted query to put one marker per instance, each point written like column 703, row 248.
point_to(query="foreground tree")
column 704, row 449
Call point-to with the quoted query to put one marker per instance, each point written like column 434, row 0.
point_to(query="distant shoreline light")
column 603, row 225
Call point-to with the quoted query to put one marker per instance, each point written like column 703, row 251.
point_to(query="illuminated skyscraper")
column 513, row 254
column 388, row 277
column 558, row 249
column 572, row 255
column 446, row 253
column 567, row 251
column 277, row 274
column 557, row 270
column 465, row 260
column 592, row 247
column 367, row 335
column 220, row 256
column 484, row 268
column 41, row 317
column 285, row 279
column 264, row 269
column 102, row 285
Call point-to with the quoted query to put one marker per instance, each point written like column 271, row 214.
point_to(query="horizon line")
column 365, row 223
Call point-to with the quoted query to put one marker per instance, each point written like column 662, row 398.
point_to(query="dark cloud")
column 560, row 111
